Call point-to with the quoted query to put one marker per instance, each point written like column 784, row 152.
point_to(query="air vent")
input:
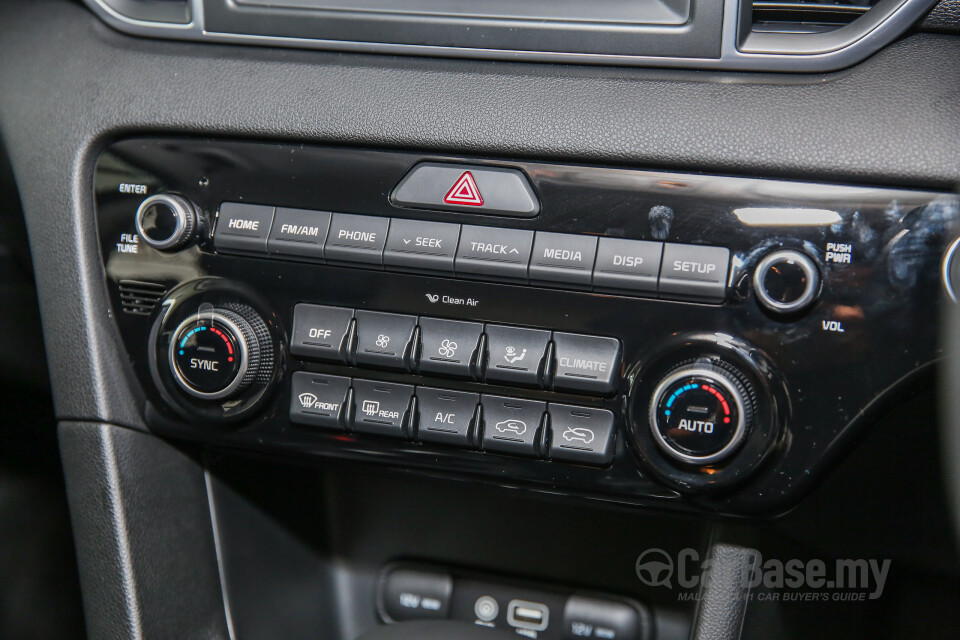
column 806, row 16
column 140, row 298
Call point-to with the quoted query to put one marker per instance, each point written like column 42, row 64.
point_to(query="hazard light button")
column 454, row 187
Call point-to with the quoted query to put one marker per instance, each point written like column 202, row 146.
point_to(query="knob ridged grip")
column 167, row 221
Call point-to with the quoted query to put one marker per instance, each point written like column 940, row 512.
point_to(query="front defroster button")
column 318, row 399
column 587, row 364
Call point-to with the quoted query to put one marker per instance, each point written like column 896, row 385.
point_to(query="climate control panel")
column 673, row 339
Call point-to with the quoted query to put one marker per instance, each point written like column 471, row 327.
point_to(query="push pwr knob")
column 701, row 412
column 217, row 353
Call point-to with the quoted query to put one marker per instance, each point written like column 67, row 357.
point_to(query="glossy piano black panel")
column 819, row 375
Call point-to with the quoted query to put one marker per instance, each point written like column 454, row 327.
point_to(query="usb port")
column 528, row 615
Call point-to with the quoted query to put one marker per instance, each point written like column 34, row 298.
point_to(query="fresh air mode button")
column 515, row 355
column 432, row 185
column 511, row 425
column 588, row 364
column 355, row 238
column 425, row 246
column 693, row 272
column 299, row 232
column 317, row 399
column 381, row 407
column 493, row 252
column 564, row 258
column 448, row 347
column 446, row 416
column 627, row 265
column 581, row 435
column 320, row 332
column 243, row 227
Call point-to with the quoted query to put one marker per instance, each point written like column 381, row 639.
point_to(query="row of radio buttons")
column 456, row 418
column 681, row 271
column 471, row 350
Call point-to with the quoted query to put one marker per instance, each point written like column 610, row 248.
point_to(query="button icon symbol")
column 486, row 609
column 447, row 348
column 383, row 341
column 307, row 400
column 432, row 297
column 512, row 357
column 370, row 407
column 464, row 191
column 579, row 434
column 518, row 427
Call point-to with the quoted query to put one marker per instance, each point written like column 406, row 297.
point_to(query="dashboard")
column 426, row 319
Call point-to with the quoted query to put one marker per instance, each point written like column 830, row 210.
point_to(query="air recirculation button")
column 219, row 352
column 701, row 412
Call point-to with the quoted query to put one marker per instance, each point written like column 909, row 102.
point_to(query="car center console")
column 702, row 342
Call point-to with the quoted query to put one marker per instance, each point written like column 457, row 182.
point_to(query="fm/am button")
column 299, row 232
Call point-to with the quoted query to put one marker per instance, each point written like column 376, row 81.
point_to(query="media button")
column 423, row 246
column 354, row 238
column 627, row 265
column 563, row 258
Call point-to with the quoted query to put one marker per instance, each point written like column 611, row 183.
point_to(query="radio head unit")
column 676, row 339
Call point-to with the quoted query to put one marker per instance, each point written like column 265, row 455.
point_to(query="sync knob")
column 167, row 222
column 701, row 412
column 219, row 352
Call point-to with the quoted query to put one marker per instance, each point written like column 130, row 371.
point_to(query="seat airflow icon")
column 464, row 191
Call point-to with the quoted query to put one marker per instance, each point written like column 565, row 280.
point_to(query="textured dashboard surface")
column 70, row 83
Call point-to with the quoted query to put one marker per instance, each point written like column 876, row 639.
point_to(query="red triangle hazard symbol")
column 464, row 191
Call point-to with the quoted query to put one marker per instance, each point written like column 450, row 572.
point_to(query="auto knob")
column 701, row 412
column 167, row 221
column 219, row 352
